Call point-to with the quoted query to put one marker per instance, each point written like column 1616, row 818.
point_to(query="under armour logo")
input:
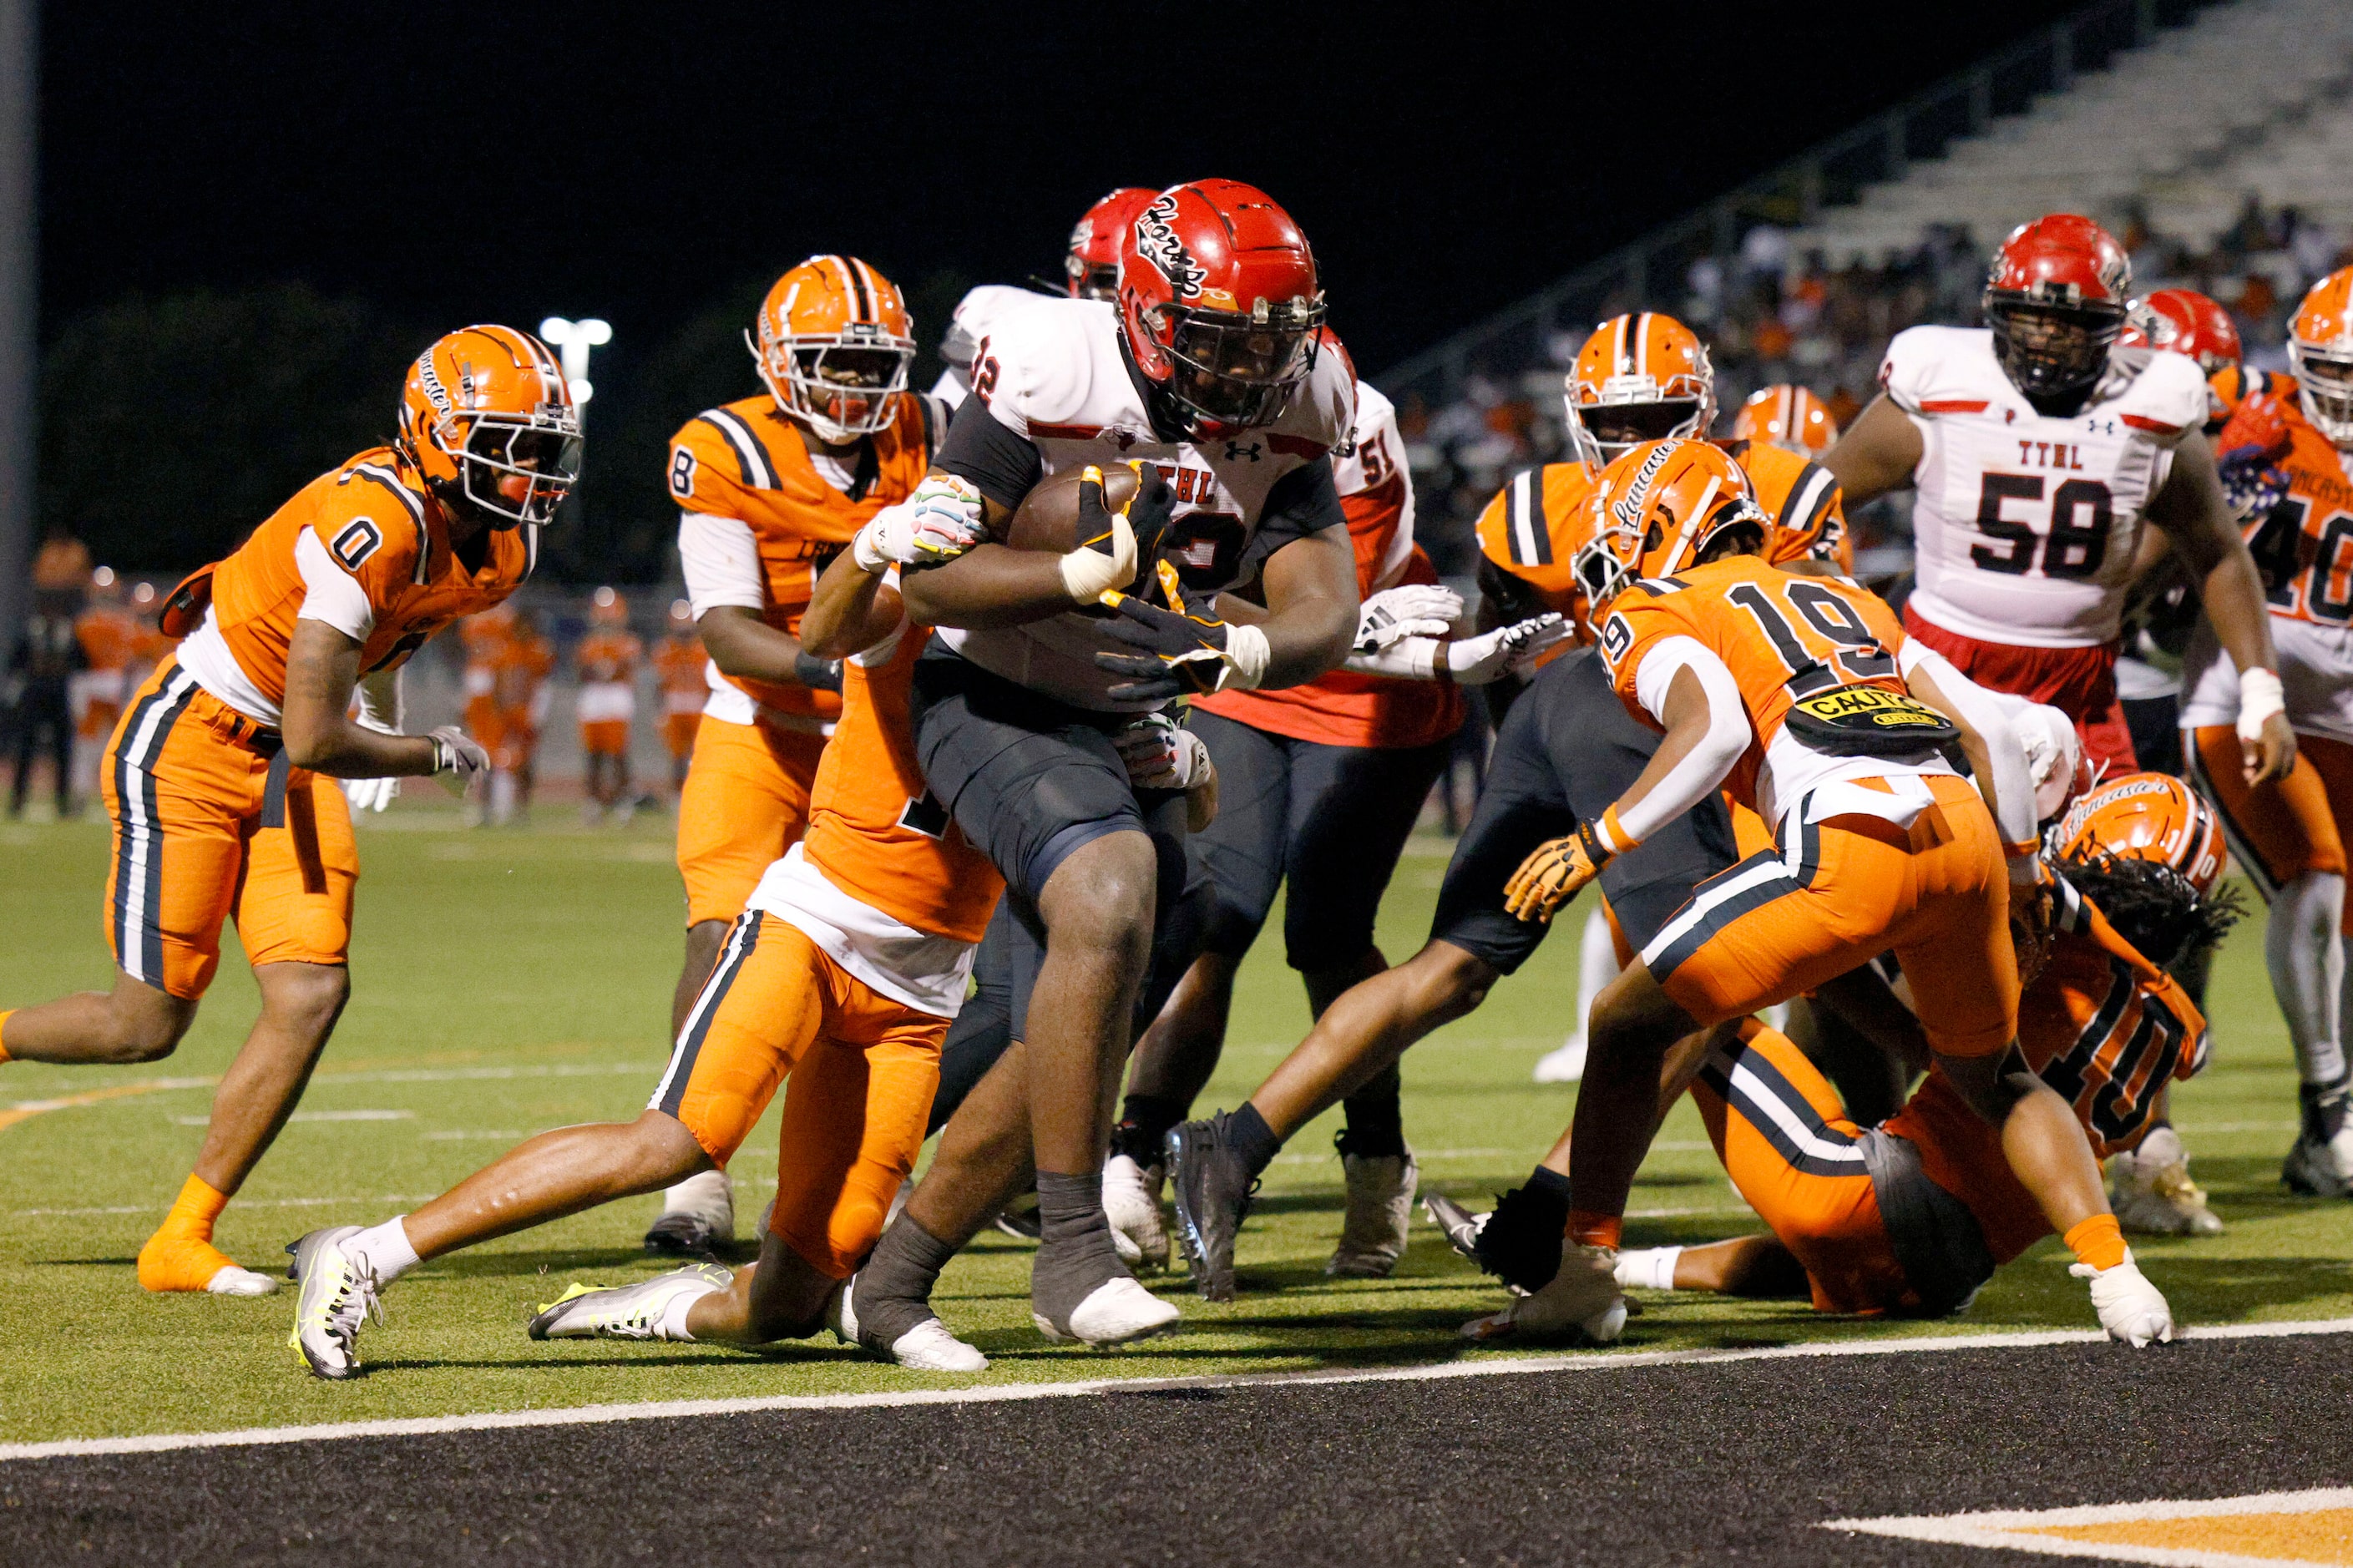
column 1236, row 451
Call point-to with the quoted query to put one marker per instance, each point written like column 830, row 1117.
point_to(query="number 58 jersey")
column 2025, row 523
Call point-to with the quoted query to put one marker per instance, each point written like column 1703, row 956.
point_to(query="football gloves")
column 1112, row 543
column 1507, row 650
column 370, row 794
column 939, row 521
column 1553, row 872
column 2132, row 1310
column 2247, row 456
column 1161, row 755
column 457, row 758
column 1185, row 651
column 1414, row 610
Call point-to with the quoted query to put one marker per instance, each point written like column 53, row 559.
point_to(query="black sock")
column 1249, row 1136
column 1075, row 1255
column 2324, row 1109
column 894, row 1288
column 1375, row 1123
column 1144, row 1123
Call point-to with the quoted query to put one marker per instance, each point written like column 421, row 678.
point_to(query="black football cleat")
column 1212, row 1189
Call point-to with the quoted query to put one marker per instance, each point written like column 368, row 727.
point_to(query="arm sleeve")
column 2014, row 788
column 721, row 561
column 1002, row 465
column 329, row 594
column 1699, row 774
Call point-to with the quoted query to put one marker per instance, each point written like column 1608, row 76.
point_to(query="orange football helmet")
column 834, row 345
column 607, row 608
column 1657, row 509
column 1637, row 378
column 2320, row 351
column 488, row 417
column 1091, row 268
column 2147, row 816
column 1787, row 417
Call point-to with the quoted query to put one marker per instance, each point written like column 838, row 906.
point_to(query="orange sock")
column 3, row 1033
column 1587, row 1228
column 181, row 1256
column 2098, row 1241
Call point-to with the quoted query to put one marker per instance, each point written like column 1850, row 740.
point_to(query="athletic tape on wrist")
column 2260, row 697
column 1247, row 646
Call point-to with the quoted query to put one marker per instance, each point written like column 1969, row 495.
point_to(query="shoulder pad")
column 1320, row 414
column 1938, row 370
column 715, row 454
column 371, row 519
column 1039, row 367
column 2167, row 399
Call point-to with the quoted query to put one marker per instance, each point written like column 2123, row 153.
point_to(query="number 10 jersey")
column 2025, row 523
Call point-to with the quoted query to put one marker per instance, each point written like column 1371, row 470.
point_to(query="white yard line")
column 594, row 1415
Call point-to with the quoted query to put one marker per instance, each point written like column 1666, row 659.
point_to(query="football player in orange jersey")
column 606, row 660
column 1802, row 696
column 220, row 778
column 1787, row 417
column 835, row 985
column 1913, row 1215
column 2285, row 457
column 525, row 660
column 485, row 638
column 678, row 666
column 770, row 489
column 109, row 634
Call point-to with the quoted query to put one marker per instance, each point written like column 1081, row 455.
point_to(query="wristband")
column 2098, row 1242
column 2260, row 697
column 1612, row 835
column 1247, row 648
column 443, row 758
column 869, row 560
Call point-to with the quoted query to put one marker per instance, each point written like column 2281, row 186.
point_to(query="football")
column 1048, row 517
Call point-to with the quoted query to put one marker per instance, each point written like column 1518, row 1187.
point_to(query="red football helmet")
column 2186, row 322
column 2055, row 301
column 1219, row 305
column 1093, row 265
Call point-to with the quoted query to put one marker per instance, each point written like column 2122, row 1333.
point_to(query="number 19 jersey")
column 2025, row 523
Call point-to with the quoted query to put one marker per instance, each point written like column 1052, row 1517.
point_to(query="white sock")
column 673, row 1318
column 2305, row 954
column 1648, row 1268
column 1597, row 963
column 385, row 1247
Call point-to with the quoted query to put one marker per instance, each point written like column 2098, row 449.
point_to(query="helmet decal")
column 1157, row 243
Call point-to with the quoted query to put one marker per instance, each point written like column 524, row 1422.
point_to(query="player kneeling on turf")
column 838, row 984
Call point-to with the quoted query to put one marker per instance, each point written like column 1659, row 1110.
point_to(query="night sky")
column 454, row 162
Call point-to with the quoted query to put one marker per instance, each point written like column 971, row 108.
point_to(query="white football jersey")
column 1054, row 374
column 975, row 314
column 2025, row 524
column 1371, row 472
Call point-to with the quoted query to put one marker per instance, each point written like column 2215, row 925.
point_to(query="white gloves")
column 2130, row 1308
column 457, row 758
column 1467, row 661
column 939, row 521
column 371, row 795
column 1161, row 754
column 1415, row 610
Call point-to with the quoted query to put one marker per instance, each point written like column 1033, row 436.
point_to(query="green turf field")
column 505, row 982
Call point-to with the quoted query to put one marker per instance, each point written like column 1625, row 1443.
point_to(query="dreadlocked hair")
column 2154, row 907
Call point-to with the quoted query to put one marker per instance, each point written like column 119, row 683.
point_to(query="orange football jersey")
column 375, row 519
column 2304, row 546
column 2106, row 1028
column 1532, row 528
column 1801, row 497
column 523, row 662
column 604, row 657
column 874, row 830
column 109, row 636
column 1782, row 636
column 746, row 460
column 678, row 664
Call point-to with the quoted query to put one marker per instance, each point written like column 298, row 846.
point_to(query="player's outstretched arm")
column 322, row 668
column 850, row 610
column 747, row 647
column 2195, row 517
column 1311, row 600
column 1875, row 455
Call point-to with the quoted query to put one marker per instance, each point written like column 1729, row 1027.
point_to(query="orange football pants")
column 1785, row 1141
column 859, row 1070
column 678, row 733
column 2282, row 829
column 1837, row 893
column 604, row 737
column 746, row 801
column 186, row 780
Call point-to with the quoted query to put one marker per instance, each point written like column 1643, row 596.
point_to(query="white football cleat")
column 236, row 1281
column 1114, row 1312
column 2321, row 1169
column 338, row 1293
column 1381, row 1190
column 926, row 1347
column 2152, row 1193
column 697, row 1216
column 626, row 1311
column 1564, row 1063
column 1582, row 1305
column 1130, row 1195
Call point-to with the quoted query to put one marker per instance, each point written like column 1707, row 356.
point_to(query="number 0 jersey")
column 2024, row 526
column 1784, row 638
column 1053, row 390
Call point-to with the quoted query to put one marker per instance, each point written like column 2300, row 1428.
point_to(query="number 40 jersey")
column 2025, row 523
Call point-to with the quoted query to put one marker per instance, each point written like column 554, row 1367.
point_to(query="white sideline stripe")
column 660, row 1410
column 2012, row 1528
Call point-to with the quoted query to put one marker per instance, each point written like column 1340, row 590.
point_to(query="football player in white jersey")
column 1206, row 373
column 1089, row 272
column 2038, row 449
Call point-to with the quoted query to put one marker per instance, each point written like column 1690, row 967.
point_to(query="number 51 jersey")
column 2025, row 523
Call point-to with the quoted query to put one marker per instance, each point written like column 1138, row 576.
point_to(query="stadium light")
column 573, row 340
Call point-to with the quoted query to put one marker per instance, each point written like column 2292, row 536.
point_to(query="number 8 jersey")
column 2025, row 523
